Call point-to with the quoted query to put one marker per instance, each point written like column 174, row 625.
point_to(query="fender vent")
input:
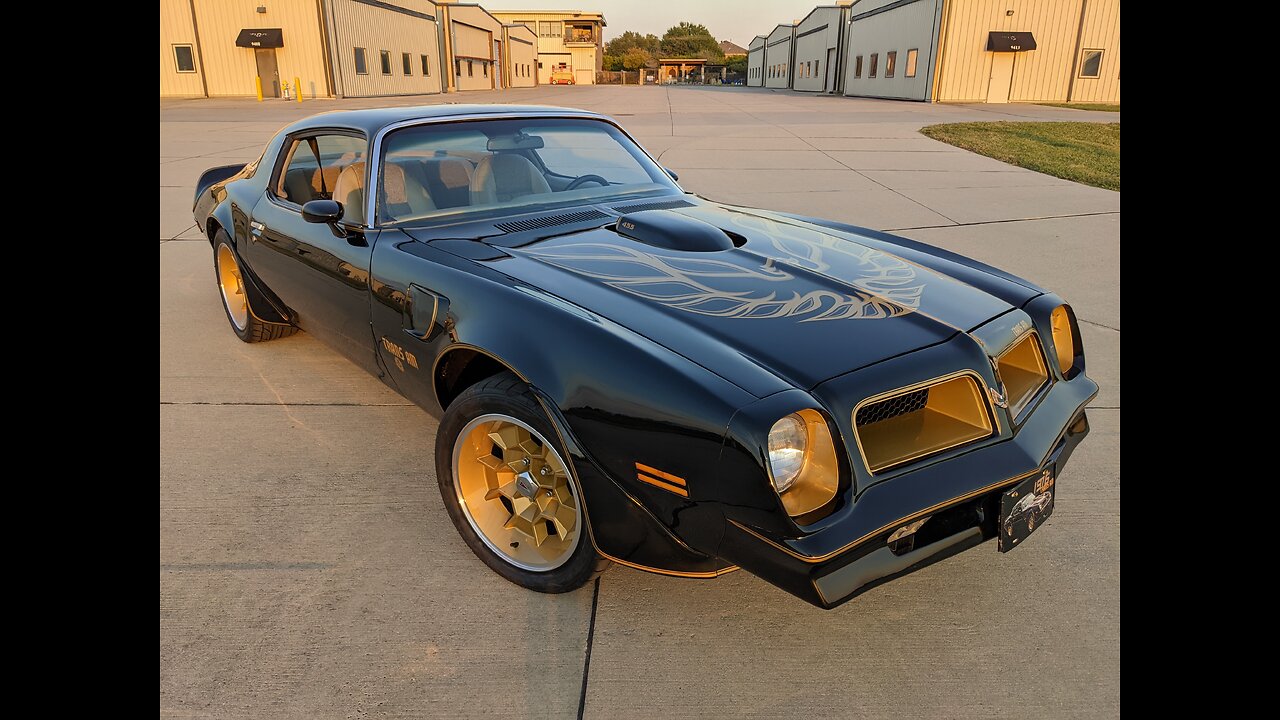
column 550, row 221
column 659, row 205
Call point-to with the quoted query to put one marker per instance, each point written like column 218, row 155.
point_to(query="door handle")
column 256, row 228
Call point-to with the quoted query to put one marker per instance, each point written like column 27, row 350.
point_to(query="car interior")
column 461, row 171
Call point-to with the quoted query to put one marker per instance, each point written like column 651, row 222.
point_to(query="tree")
column 736, row 64
column 689, row 40
column 635, row 59
column 611, row 62
column 630, row 40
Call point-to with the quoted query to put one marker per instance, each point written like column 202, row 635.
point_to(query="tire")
column 235, row 301
column 493, row 508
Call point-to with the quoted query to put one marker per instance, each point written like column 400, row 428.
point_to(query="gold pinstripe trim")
column 889, row 526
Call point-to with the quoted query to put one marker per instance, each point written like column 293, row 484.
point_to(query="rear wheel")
column 509, row 491
column 235, row 296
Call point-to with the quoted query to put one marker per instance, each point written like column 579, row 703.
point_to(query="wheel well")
column 462, row 368
column 211, row 228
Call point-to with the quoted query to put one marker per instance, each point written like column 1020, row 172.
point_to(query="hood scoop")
column 673, row 231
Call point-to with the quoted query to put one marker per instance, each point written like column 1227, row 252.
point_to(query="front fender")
column 616, row 398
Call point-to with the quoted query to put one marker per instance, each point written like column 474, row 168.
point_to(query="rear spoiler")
column 213, row 176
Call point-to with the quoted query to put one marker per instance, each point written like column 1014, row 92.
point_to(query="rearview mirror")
column 672, row 173
column 519, row 141
column 328, row 212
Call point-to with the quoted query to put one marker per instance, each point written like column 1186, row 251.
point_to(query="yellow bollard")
column 297, row 85
column 257, row 81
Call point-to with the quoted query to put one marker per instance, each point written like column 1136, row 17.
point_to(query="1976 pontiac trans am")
column 627, row 372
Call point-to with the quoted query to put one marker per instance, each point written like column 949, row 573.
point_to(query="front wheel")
column 509, row 491
column 235, row 296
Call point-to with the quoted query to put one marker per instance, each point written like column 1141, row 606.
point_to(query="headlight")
column 1065, row 338
column 788, row 442
column 802, row 462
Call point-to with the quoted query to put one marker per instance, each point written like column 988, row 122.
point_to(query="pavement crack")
column 591, row 635
column 1097, row 324
column 1006, row 220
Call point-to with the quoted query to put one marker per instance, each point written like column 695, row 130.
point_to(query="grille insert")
column 893, row 407
column 547, row 221
column 912, row 423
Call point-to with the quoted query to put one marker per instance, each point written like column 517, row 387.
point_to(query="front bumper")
column 961, row 496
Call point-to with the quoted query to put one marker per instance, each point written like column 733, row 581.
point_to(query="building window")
column 875, row 60
column 484, row 66
column 539, row 64
column 426, row 66
column 550, row 29
column 458, row 68
column 890, row 62
column 406, row 64
column 857, row 66
column 1091, row 64
column 386, row 61
column 185, row 57
column 471, row 68
column 362, row 67
column 911, row 62
column 579, row 33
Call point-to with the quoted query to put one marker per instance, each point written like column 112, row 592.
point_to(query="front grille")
column 910, row 424
column 655, row 205
column 1022, row 372
column 547, row 221
column 893, row 407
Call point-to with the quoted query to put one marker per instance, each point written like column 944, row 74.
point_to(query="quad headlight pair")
column 802, row 463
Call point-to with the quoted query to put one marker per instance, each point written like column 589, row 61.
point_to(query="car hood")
column 787, row 296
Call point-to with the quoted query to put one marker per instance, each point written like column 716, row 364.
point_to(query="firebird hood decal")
column 803, row 303
column 885, row 286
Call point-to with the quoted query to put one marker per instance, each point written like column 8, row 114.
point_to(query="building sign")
column 1010, row 42
column 260, row 38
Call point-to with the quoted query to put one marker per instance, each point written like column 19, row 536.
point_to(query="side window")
column 406, row 64
column 875, row 59
column 912, row 56
column 890, row 62
column 362, row 65
column 325, row 167
column 857, row 67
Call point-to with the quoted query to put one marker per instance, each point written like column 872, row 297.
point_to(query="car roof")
column 372, row 120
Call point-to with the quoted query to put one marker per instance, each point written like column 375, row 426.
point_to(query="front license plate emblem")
column 1024, row 508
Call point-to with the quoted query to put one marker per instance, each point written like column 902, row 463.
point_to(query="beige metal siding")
column 231, row 70
column 376, row 29
column 812, row 49
column 522, row 55
column 472, row 42
column 777, row 56
column 1100, row 31
column 901, row 29
column 176, row 29
column 755, row 62
column 1040, row 75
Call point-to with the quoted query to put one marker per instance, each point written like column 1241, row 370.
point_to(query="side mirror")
column 672, row 173
column 328, row 212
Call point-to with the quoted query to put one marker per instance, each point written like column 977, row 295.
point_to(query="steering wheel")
column 578, row 181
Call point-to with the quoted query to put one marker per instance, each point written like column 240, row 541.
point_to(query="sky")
column 736, row 20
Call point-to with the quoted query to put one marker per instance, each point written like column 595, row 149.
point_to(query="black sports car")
column 624, row 371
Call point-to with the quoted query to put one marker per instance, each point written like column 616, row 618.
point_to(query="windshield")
column 471, row 169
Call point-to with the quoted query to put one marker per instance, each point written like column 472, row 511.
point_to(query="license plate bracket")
column 1025, row 507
